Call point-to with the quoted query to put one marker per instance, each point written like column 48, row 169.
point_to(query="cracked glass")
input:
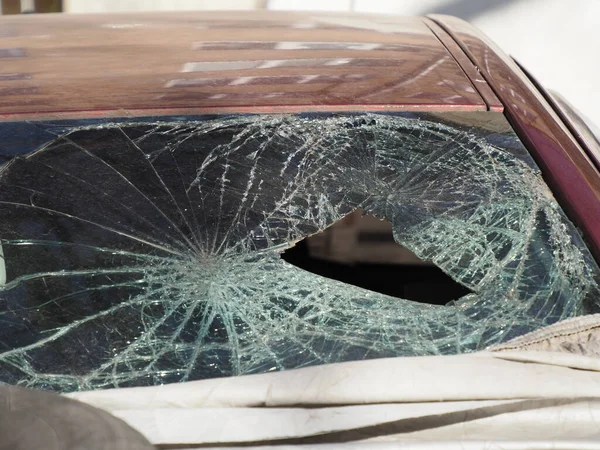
column 141, row 252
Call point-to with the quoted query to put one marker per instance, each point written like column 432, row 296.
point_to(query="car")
column 219, row 209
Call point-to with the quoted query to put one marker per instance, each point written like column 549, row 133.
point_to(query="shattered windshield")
column 150, row 251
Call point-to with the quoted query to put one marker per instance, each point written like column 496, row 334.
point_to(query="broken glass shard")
column 150, row 252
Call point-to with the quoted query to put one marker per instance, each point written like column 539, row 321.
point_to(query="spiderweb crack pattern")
column 148, row 253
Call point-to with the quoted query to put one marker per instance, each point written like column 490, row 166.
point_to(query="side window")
column 139, row 253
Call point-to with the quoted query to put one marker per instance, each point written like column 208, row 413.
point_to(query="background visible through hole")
column 360, row 250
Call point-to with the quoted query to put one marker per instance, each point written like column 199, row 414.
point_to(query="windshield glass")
column 141, row 252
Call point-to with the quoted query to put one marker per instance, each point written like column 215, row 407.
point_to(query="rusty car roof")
column 215, row 61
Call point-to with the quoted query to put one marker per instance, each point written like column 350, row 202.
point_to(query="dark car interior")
column 360, row 250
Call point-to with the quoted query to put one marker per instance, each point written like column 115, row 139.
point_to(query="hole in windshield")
column 150, row 253
column 360, row 250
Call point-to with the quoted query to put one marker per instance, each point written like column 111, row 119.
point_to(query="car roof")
column 96, row 65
